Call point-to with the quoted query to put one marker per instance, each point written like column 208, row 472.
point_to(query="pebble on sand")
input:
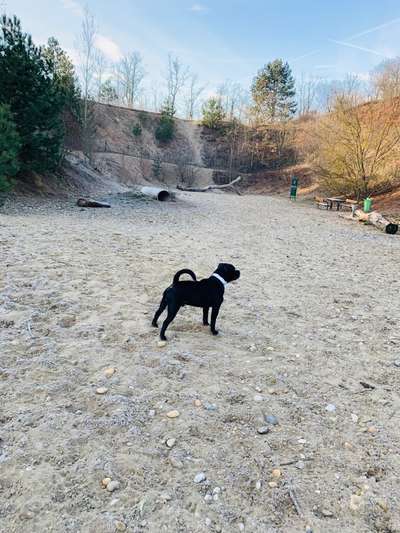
column 173, row 414
column 200, row 477
column 105, row 482
column 113, row 485
column 372, row 430
column 263, row 430
column 170, row 443
column 197, row 403
column 108, row 372
column 355, row 502
column 272, row 484
column 271, row 419
column 276, row 473
column 331, row 408
column 162, row 344
column 101, row 390
column 120, row 526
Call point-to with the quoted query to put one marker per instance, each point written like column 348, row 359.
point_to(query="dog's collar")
column 221, row 279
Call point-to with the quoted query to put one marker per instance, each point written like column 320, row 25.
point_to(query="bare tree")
column 176, row 78
column 130, row 73
column 87, row 51
column 386, row 79
column 233, row 99
column 194, row 92
column 306, row 94
column 100, row 68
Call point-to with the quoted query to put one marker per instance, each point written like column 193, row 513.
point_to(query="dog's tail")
column 181, row 272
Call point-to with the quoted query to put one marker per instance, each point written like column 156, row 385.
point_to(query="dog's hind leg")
column 172, row 311
column 205, row 316
column 159, row 311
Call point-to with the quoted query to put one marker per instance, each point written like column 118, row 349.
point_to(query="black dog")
column 205, row 293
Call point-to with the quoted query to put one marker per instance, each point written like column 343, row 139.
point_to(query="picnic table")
column 335, row 202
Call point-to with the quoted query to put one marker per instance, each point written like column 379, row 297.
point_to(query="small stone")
column 208, row 498
column 300, row 465
column 176, row 463
column 113, row 485
column 152, row 413
column 210, row 406
column 383, row 505
column 108, row 372
column 331, row 408
column 197, row 403
column 216, row 497
column 263, row 430
column 162, row 344
column 173, row 414
column 272, row 484
column 397, row 363
column 276, row 473
column 241, row 526
column 101, row 390
column 270, row 348
column 120, row 526
column 302, row 441
column 355, row 502
column 372, row 430
column 217, row 490
column 105, row 482
column 208, row 522
column 348, row 445
column 258, row 398
column 309, row 529
column 354, row 418
column 252, row 348
column 200, row 477
column 327, row 513
column 271, row 419
column 258, row 485
column 170, row 443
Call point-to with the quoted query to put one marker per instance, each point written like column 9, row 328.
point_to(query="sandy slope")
column 314, row 314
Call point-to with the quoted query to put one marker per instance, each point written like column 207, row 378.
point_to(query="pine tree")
column 273, row 92
column 213, row 113
column 29, row 87
column 9, row 148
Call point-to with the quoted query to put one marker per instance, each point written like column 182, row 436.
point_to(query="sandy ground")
column 315, row 314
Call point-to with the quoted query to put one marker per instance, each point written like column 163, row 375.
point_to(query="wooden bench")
column 320, row 202
column 349, row 205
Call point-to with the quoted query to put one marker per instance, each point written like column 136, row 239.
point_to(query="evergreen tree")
column 273, row 92
column 29, row 87
column 213, row 113
column 166, row 128
column 63, row 73
column 9, row 148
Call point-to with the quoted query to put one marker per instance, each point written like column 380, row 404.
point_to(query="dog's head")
column 228, row 272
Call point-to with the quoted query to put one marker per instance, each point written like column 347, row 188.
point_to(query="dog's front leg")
column 214, row 316
column 205, row 316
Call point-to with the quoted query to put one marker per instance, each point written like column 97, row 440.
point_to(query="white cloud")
column 74, row 7
column 109, row 47
column 199, row 8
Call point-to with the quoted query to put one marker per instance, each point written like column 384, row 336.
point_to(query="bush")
column 137, row 130
column 157, row 167
column 10, row 145
column 166, row 128
column 213, row 114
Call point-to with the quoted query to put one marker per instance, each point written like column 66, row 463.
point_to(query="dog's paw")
column 154, row 325
column 215, row 332
column 206, row 323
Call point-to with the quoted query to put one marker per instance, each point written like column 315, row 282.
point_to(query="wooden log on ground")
column 85, row 202
column 230, row 185
column 161, row 195
column 377, row 220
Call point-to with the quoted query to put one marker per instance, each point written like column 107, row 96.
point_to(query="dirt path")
column 315, row 314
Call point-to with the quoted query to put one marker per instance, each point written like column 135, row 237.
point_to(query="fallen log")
column 84, row 202
column 155, row 192
column 211, row 187
column 377, row 220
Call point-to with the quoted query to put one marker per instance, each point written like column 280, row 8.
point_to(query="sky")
column 228, row 39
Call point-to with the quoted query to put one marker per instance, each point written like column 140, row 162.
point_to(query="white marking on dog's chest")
column 221, row 279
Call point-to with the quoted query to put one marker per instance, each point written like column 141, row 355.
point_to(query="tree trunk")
column 378, row 221
column 211, row 187
column 83, row 202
